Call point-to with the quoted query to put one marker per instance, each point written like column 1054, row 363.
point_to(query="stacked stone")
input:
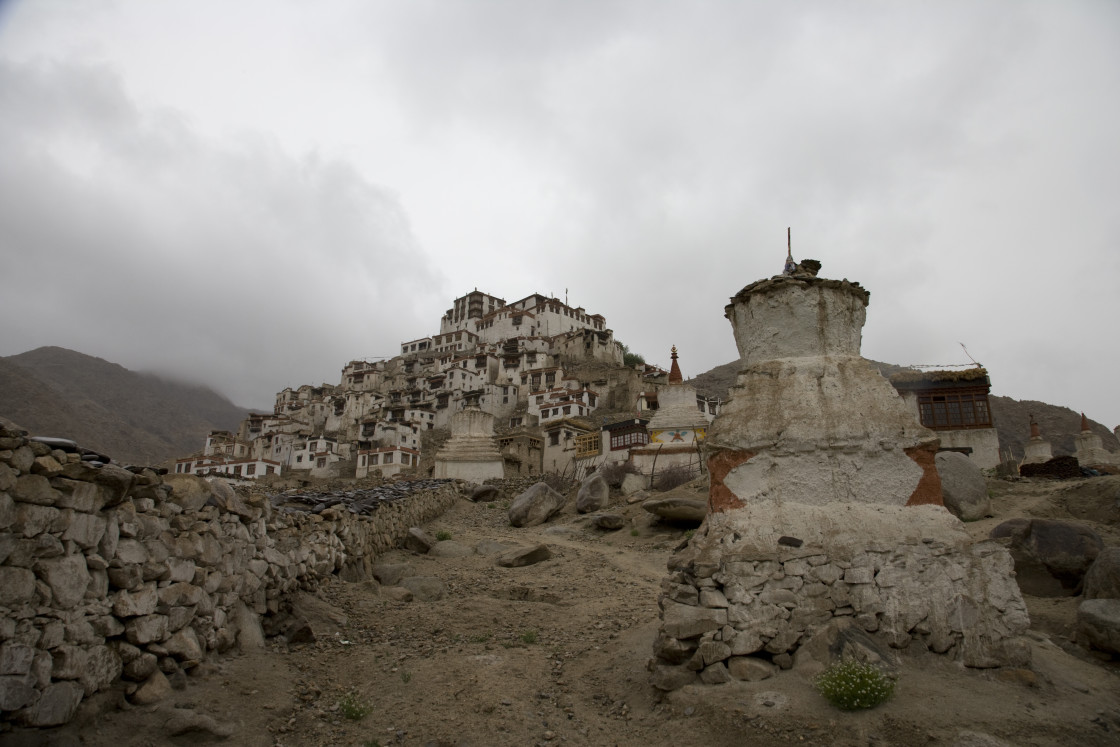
column 108, row 573
column 729, row 614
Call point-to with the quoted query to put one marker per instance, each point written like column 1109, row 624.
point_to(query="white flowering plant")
column 851, row 685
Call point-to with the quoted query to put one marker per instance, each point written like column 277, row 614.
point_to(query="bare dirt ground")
column 555, row 653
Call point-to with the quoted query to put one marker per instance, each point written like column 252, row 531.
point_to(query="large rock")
column 523, row 556
column 1051, row 557
column 1102, row 580
column 842, row 640
column 190, row 492
column 227, row 499
column 389, row 574
column 67, row 578
column 1098, row 624
column 632, row 483
column 450, row 549
column 594, row 494
column 963, row 487
column 154, row 689
column 484, row 493
column 55, row 706
column 535, row 506
column 678, row 508
column 417, row 540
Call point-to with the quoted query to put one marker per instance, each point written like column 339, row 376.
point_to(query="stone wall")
column 738, row 594
column 108, row 573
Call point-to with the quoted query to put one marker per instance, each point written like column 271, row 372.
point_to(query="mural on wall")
column 676, row 435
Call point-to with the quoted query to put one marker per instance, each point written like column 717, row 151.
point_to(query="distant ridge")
column 133, row 417
column 1059, row 425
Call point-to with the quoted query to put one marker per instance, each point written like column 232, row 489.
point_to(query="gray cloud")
column 137, row 239
column 956, row 158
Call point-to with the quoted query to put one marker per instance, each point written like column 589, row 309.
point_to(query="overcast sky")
column 251, row 193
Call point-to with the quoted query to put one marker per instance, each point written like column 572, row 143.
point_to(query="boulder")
column 1051, row 557
column 67, row 578
column 484, row 493
column 492, row 547
column 389, row 574
column 1098, row 624
column 417, row 540
column 154, row 689
column 668, row 678
column 184, row 721
column 610, row 522
column 963, row 487
column 55, row 706
column 523, row 556
column 190, row 492
column 1102, row 580
column 678, row 508
column 535, row 506
column 842, row 639
column 17, row 691
column 450, row 549
column 750, row 668
column 632, row 483
column 226, row 498
column 594, row 494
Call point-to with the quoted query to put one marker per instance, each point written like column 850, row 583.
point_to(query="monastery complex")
column 546, row 379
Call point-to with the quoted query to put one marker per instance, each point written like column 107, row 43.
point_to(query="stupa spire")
column 1084, row 423
column 790, row 264
column 1035, row 432
column 675, row 376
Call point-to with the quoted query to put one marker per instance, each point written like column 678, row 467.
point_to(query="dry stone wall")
column 109, row 573
column 728, row 601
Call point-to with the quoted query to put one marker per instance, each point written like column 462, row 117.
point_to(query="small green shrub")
column 443, row 536
column 406, row 677
column 353, row 708
column 634, row 532
column 851, row 685
column 529, row 637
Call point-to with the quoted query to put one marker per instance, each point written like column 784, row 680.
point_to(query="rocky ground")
column 555, row 653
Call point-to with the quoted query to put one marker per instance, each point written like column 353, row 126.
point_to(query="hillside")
column 1060, row 425
column 133, row 417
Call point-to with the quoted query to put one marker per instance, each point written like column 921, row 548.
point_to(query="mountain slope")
column 133, row 417
column 1060, row 425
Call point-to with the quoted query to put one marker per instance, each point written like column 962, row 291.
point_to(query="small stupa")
column 824, row 510
column 1090, row 448
column 471, row 453
column 676, row 429
column 1037, row 450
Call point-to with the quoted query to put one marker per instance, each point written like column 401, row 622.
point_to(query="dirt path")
column 555, row 653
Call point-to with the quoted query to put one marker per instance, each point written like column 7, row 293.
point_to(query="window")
column 372, row 459
column 947, row 410
column 237, row 470
column 299, row 458
column 322, row 462
column 554, row 438
column 587, row 445
column 269, row 469
column 388, row 458
column 251, row 469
